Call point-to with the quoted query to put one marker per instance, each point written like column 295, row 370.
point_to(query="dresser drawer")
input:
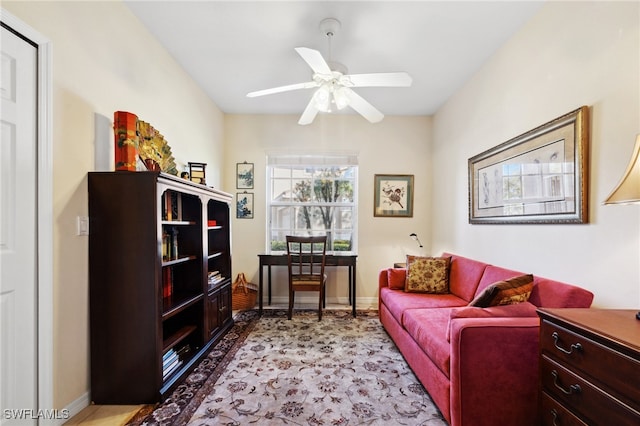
column 554, row 414
column 615, row 372
column 583, row 398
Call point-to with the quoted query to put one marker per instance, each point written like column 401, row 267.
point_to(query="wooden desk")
column 332, row 259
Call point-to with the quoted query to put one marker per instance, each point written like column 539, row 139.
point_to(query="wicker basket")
column 243, row 293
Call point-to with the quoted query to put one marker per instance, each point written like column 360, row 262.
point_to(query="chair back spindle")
column 306, row 261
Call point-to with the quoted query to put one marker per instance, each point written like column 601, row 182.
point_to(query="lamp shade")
column 628, row 189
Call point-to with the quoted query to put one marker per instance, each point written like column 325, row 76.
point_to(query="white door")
column 18, row 230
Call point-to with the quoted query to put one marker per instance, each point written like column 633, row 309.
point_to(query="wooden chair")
column 306, row 257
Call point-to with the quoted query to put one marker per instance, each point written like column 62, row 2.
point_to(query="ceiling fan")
column 333, row 84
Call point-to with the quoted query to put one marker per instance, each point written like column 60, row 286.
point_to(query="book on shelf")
column 168, row 356
column 170, row 243
column 166, row 372
column 167, row 213
column 167, row 282
column 172, row 207
column 178, row 207
column 214, row 278
column 170, row 362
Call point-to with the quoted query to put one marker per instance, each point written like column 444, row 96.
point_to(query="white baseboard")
column 74, row 408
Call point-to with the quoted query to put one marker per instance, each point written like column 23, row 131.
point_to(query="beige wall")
column 105, row 61
column 555, row 64
column 397, row 145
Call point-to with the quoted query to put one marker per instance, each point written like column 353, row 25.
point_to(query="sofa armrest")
column 517, row 310
column 383, row 279
column 494, row 371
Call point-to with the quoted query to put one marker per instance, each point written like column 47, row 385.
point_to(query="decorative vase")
column 126, row 140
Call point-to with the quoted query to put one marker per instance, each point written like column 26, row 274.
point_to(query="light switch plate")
column 83, row 225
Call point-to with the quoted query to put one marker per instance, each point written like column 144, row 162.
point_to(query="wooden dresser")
column 589, row 367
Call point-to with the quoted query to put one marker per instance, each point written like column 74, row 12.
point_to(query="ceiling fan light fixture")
column 322, row 99
column 341, row 97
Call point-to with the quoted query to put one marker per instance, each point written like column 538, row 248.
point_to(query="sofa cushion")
column 493, row 274
column 397, row 301
column 427, row 274
column 524, row 309
column 464, row 276
column 396, row 278
column 555, row 294
column 428, row 327
column 507, row 292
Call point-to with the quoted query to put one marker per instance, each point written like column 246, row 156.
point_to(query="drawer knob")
column 572, row 388
column 576, row 346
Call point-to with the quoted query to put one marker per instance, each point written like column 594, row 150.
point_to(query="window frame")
column 314, row 162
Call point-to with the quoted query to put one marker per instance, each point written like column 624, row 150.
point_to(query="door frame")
column 44, row 207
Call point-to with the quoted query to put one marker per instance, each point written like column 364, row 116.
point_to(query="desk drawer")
column 583, row 398
column 615, row 372
column 554, row 414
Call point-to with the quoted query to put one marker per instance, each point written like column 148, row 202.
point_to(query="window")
column 312, row 195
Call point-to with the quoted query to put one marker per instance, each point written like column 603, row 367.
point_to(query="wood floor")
column 104, row 415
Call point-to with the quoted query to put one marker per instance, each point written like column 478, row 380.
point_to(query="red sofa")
column 479, row 365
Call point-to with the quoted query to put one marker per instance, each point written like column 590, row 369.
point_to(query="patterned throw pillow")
column 508, row 292
column 427, row 274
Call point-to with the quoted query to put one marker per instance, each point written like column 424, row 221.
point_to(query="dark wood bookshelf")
column 151, row 248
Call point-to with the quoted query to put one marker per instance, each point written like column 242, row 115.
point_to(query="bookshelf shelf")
column 172, row 307
column 180, row 259
column 178, row 337
column 216, row 254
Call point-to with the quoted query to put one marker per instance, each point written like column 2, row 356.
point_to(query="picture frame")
column 393, row 196
column 244, row 175
column 539, row 177
column 244, row 205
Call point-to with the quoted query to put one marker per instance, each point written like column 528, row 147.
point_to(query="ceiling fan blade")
column 314, row 59
column 363, row 107
column 309, row 113
column 383, row 79
column 296, row 86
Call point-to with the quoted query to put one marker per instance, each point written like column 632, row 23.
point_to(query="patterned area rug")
column 339, row 371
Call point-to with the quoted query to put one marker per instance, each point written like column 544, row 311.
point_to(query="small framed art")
column 393, row 196
column 244, row 205
column 244, row 175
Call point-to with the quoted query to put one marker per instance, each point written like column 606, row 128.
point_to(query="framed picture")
column 244, row 175
column 541, row 176
column 244, row 205
column 393, row 196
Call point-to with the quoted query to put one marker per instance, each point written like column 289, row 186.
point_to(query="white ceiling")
column 231, row 48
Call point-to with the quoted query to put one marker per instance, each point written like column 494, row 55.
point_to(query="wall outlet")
column 83, row 225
